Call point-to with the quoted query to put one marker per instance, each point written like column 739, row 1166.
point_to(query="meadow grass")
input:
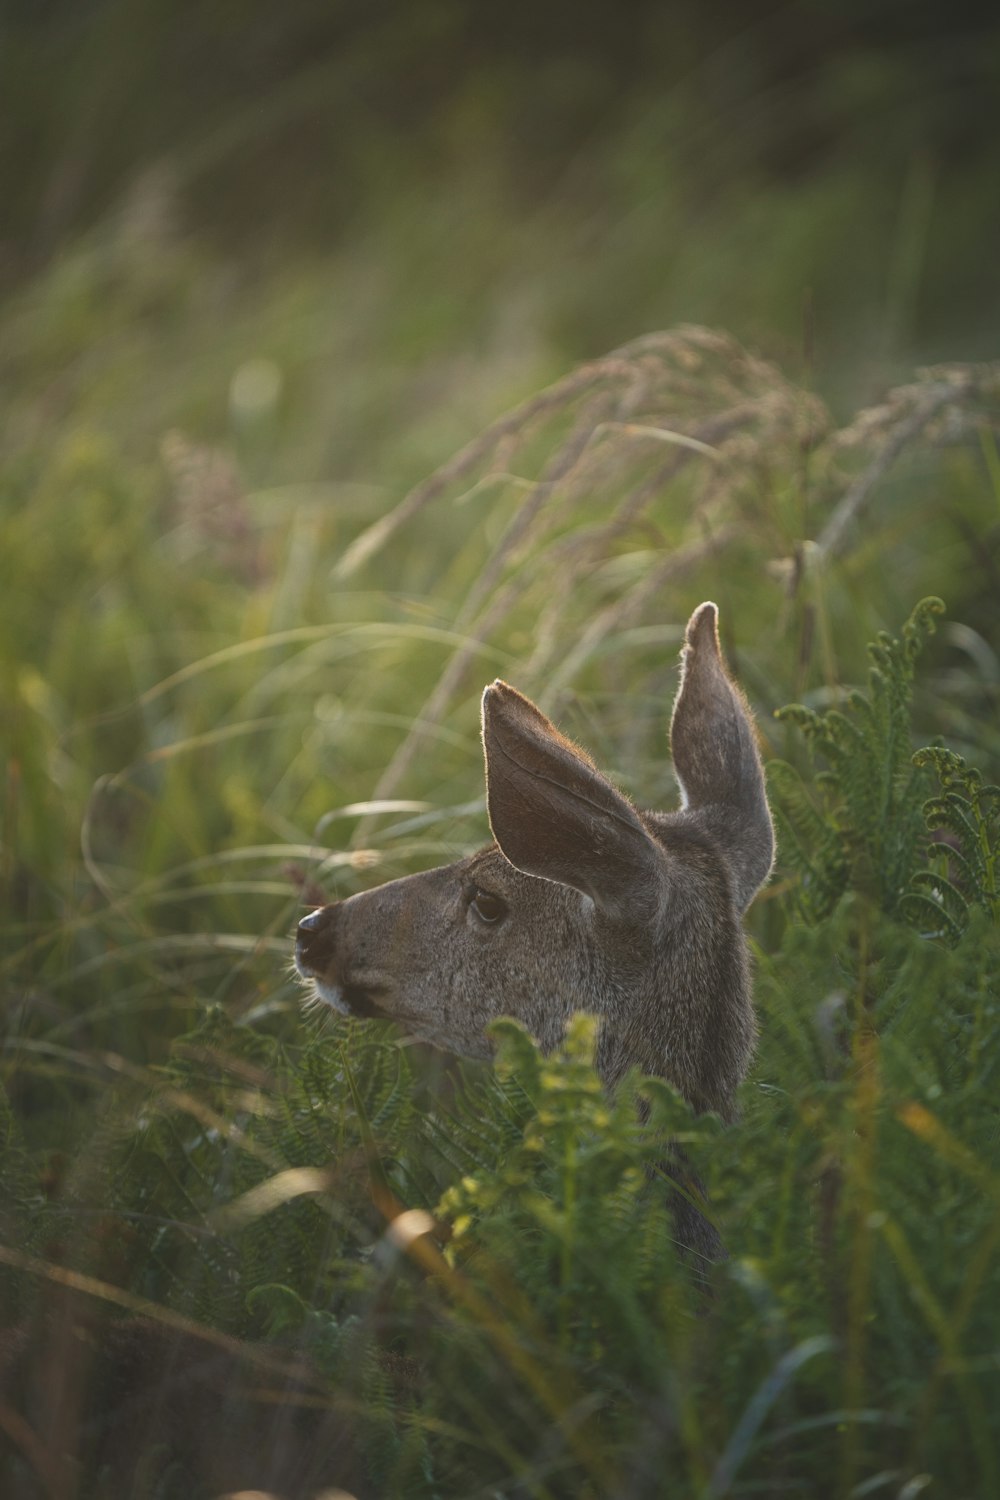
column 237, row 680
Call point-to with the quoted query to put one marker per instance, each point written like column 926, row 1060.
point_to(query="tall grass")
column 243, row 1248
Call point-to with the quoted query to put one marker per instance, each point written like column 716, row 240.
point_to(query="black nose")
column 314, row 941
column 312, row 922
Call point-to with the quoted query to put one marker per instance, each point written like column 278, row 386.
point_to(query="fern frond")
column 968, row 809
column 864, row 828
column 935, row 907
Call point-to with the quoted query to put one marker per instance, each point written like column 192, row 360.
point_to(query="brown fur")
column 633, row 916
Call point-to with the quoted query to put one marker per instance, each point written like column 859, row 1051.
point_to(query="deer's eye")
column 489, row 909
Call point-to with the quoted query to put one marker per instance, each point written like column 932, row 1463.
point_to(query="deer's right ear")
column 554, row 815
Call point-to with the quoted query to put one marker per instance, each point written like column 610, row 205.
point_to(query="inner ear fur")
column 554, row 815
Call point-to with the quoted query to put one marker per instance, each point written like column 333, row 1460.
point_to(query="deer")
column 583, row 902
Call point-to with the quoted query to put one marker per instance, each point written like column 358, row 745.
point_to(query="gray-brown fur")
column 582, row 903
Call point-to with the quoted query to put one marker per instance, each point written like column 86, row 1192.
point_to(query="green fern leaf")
column 866, row 830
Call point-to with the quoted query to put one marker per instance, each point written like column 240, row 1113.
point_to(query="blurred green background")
column 262, row 270
column 820, row 177
column 314, row 248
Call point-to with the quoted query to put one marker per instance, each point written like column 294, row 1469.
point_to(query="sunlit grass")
column 242, row 676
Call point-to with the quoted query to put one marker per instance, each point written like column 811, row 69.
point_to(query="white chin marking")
column 333, row 996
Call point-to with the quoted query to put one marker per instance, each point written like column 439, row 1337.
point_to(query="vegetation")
column 270, row 517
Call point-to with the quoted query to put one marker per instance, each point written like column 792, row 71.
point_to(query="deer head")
column 581, row 903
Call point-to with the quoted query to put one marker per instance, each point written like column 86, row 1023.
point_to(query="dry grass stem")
column 734, row 428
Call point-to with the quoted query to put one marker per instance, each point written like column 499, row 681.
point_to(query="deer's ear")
column 715, row 757
column 554, row 815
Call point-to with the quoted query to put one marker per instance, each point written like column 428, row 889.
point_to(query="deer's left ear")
column 554, row 815
column 715, row 756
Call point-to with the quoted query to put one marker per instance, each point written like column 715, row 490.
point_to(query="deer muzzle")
column 319, row 957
